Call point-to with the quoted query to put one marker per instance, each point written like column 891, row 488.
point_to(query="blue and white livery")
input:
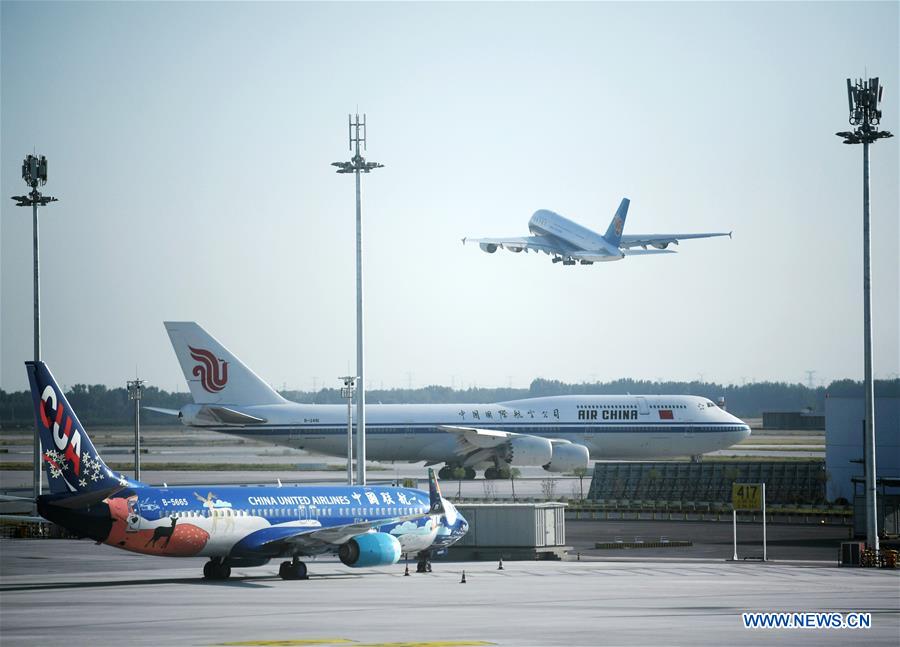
column 231, row 525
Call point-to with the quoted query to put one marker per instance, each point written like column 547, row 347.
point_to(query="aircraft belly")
column 663, row 444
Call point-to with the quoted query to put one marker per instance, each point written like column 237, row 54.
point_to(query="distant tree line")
column 98, row 405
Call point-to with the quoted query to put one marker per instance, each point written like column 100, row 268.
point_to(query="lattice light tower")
column 357, row 165
column 34, row 172
column 864, row 101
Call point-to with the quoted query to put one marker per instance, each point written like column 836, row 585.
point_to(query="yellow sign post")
column 748, row 496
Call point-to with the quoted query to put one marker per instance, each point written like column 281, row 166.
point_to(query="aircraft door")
column 643, row 409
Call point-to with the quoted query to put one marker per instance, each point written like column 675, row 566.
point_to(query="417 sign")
column 746, row 496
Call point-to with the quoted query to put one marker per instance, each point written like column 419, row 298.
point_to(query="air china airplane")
column 233, row 526
column 570, row 243
column 559, row 433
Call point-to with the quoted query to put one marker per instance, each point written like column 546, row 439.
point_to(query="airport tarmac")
column 82, row 594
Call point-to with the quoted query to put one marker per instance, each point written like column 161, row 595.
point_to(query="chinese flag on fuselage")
column 665, row 414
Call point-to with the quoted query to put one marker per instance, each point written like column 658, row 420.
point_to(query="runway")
column 82, row 594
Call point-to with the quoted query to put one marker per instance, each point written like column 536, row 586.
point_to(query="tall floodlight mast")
column 357, row 165
column 34, row 172
column 347, row 392
column 864, row 101
column 135, row 391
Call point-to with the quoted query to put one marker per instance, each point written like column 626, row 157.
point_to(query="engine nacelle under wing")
column 370, row 549
column 490, row 248
column 568, row 457
column 528, row 450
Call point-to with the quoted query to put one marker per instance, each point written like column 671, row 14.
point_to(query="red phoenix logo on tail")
column 208, row 370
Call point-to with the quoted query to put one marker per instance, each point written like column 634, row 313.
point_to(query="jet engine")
column 370, row 549
column 528, row 450
column 660, row 245
column 568, row 457
column 490, row 248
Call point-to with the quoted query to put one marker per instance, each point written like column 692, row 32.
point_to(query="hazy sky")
column 190, row 144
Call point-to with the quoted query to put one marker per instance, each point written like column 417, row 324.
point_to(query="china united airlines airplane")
column 559, row 433
column 570, row 243
column 233, row 526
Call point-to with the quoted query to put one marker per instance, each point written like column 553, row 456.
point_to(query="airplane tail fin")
column 614, row 232
column 436, row 501
column 214, row 375
column 72, row 463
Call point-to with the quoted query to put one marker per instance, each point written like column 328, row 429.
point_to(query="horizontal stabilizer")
column 8, row 498
column 20, row 518
column 167, row 412
column 86, row 499
column 227, row 416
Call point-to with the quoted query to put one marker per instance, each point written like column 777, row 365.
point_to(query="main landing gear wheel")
column 216, row 569
column 470, row 473
column 294, row 570
column 494, row 473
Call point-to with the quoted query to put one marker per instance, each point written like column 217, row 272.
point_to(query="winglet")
column 434, row 494
column 464, row 239
column 729, row 233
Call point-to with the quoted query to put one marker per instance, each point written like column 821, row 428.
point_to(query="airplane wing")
column 647, row 252
column 310, row 539
column 474, row 438
column 526, row 243
column 661, row 241
column 477, row 438
column 314, row 539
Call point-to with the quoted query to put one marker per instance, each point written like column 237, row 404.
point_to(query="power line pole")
column 34, row 172
column 357, row 165
column 864, row 101
column 810, row 379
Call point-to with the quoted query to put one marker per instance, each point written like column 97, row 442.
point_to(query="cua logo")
column 64, row 437
column 208, row 370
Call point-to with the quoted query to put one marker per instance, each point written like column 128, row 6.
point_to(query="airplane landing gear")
column 446, row 473
column 697, row 458
column 493, row 473
column 424, row 562
column 293, row 570
column 216, row 569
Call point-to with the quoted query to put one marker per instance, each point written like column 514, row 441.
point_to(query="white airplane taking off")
column 559, row 433
column 570, row 243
